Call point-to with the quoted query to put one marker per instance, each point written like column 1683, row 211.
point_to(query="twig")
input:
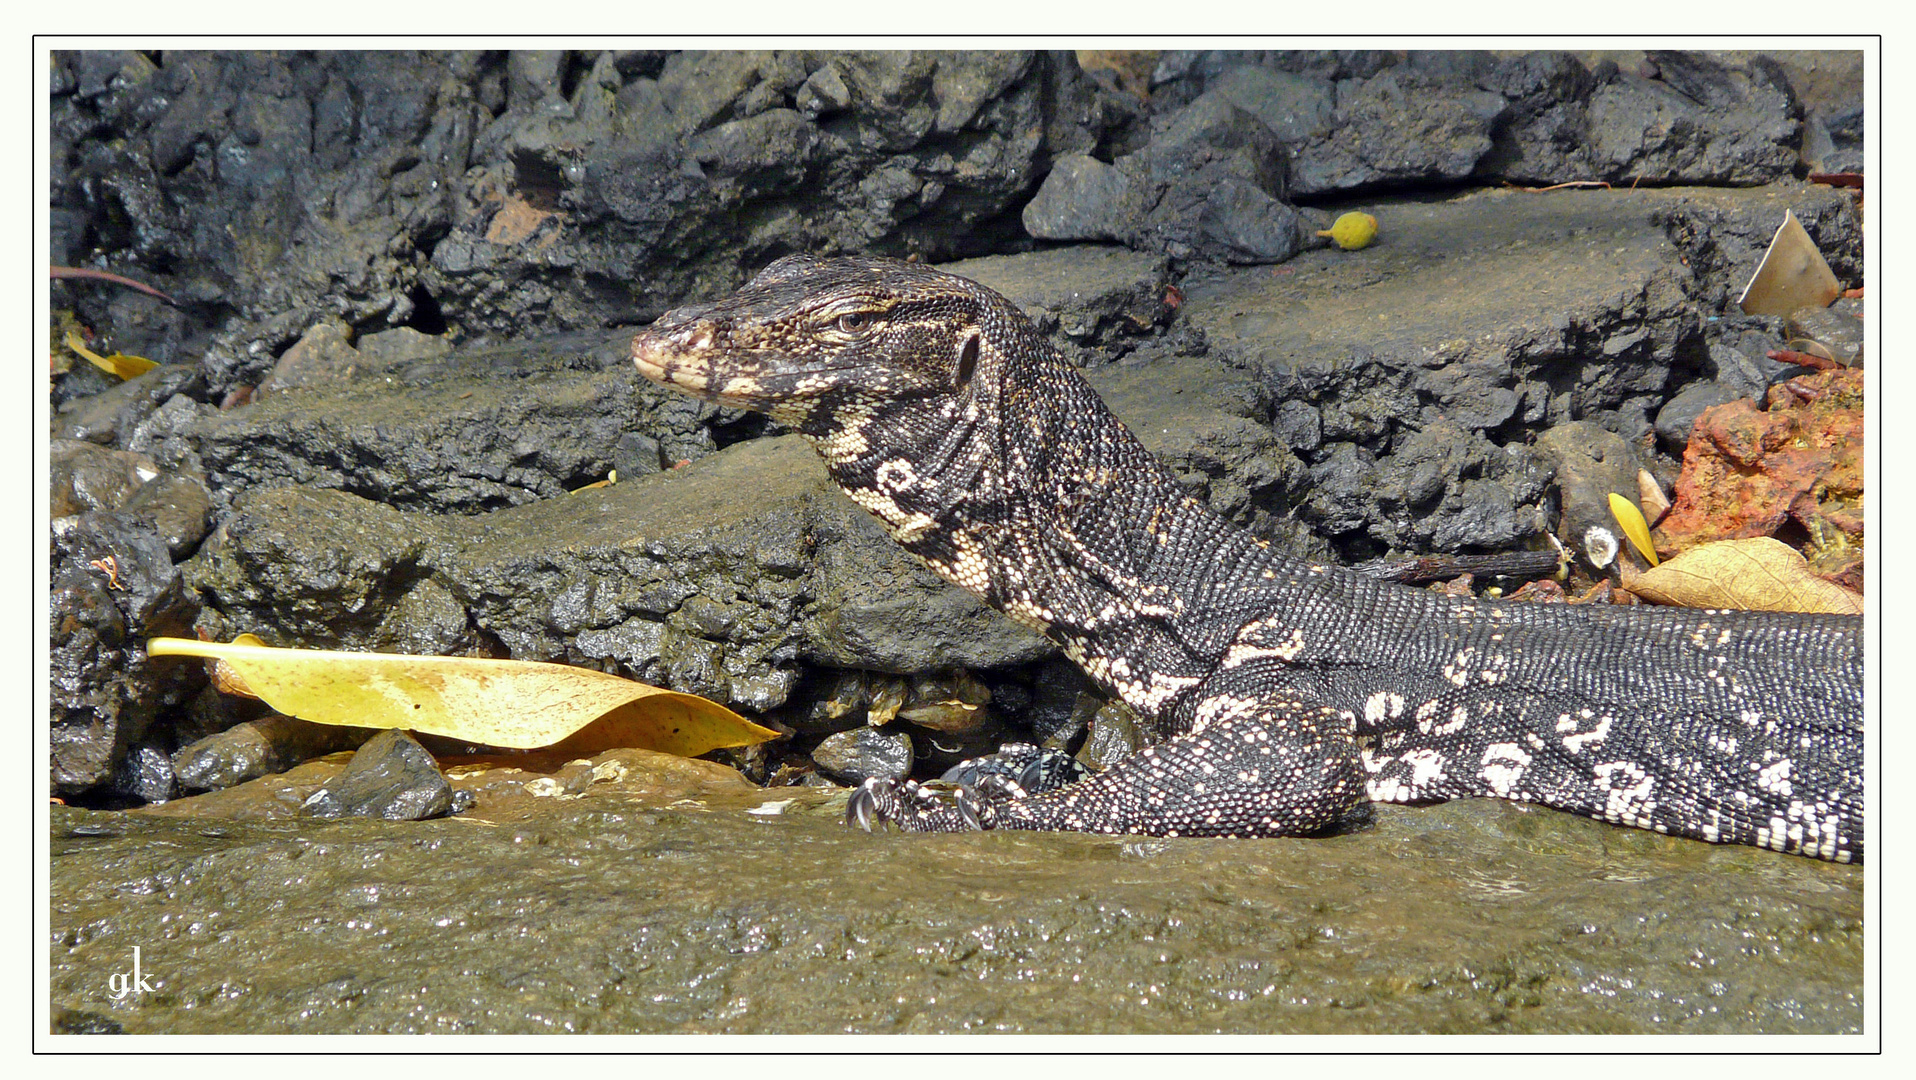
column 1565, row 184
column 1426, row 568
column 59, row 273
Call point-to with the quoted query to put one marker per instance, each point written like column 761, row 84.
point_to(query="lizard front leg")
column 1273, row 764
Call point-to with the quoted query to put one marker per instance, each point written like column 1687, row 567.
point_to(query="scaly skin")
column 1283, row 694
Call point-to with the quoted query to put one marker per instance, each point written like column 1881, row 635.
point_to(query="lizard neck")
column 1027, row 492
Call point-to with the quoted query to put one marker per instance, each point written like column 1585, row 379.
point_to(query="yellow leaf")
column 514, row 703
column 1759, row 574
column 1634, row 527
column 126, row 367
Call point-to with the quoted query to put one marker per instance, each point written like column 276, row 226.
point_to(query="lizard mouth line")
column 666, row 368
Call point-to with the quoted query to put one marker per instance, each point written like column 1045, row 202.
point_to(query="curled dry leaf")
column 512, row 703
column 1757, row 574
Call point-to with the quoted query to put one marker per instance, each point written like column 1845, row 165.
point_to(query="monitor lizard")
column 1284, row 695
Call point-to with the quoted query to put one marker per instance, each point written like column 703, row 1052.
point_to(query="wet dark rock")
column 113, row 586
column 84, row 476
column 270, row 191
column 1210, row 183
column 1449, row 488
column 324, row 354
column 1484, row 317
column 322, row 569
column 211, row 712
column 390, row 777
column 1113, row 735
column 488, row 428
column 644, row 918
column 144, row 775
column 256, row 748
column 716, row 579
column 1060, row 703
column 863, row 753
column 1678, row 416
column 744, row 156
column 178, row 508
column 110, row 417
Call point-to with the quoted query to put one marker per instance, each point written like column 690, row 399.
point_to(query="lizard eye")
column 853, row 321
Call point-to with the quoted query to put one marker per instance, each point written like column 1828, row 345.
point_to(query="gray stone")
column 390, row 777
column 256, row 748
column 1678, row 416
column 1397, row 127
column 1842, row 334
column 110, row 417
column 1297, row 108
column 863, row 753
column 1083, row 198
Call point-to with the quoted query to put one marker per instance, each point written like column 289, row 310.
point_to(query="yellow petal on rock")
column 1631, row 520
column 126, row 367
column 1758, row 574
column 512, row 703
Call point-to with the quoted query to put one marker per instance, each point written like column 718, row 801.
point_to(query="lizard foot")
column 916, row 808
column 1035, row 769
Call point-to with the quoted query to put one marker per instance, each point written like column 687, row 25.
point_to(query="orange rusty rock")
column 1748, row 472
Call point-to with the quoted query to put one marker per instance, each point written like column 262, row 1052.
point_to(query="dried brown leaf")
column 1757, row 574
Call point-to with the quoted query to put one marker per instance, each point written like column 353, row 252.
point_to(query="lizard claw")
column 862, row 807
column 915, row 808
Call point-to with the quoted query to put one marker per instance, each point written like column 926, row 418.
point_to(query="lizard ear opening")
column 967, row 360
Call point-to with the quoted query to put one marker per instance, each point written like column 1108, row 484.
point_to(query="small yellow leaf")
column 1758, row 574
column 513, row 703
column 1631, row 520
column 126, row 367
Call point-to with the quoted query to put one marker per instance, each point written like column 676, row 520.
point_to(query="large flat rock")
column 649, row 900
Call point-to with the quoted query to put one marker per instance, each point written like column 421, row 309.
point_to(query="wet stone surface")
column 634, row 894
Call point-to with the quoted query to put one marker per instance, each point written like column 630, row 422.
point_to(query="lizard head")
column 818, row 342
